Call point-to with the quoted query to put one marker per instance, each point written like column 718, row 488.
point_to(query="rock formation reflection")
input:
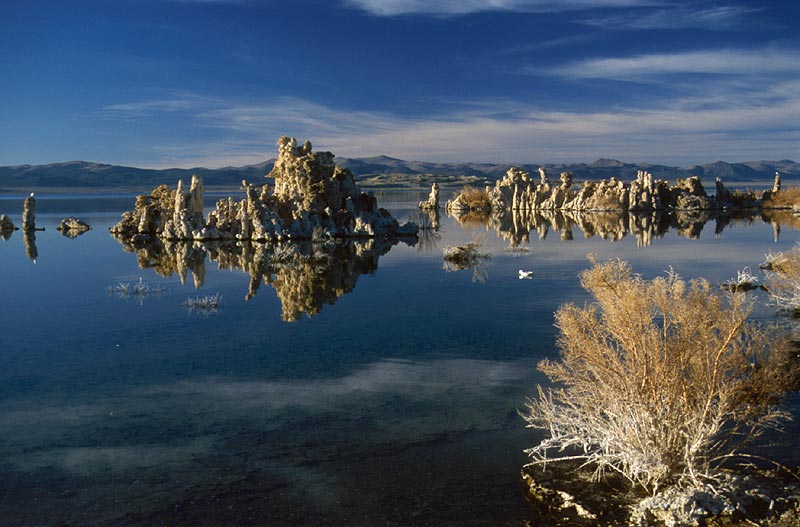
column 29, row 241
column 516, row 226
column 428, row 221
column 305, row 275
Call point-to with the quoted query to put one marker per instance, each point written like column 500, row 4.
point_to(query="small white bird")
column 31, row 194
column 525, row 274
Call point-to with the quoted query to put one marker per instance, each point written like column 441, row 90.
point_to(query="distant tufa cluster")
column 312, row 199
column 519, row 191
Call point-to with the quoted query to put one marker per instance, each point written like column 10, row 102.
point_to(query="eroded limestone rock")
column 312, row 199
column 518, row 191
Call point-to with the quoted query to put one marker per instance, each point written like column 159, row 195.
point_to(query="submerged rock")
column 312, row 199
column 73, row 227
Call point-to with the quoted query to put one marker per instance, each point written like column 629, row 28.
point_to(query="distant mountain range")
column 373, row 172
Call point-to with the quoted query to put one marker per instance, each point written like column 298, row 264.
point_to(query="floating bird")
column 525, row 274
column 31, row 194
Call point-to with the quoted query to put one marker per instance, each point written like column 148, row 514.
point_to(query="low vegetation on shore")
column 663, row 382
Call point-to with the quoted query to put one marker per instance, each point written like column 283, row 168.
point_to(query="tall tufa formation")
column 313, row 198
column 187, row 212
column 29, row 213
column 432, row 203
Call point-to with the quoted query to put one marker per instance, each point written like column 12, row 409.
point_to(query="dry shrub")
column 607, row 200
column 783, row 279
column 786, row 264
column 658, row 380
column 475, row 199
column 785, row 198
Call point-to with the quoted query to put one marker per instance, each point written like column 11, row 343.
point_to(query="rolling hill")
column 378, row 171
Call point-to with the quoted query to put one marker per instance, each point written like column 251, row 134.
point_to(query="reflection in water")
column 305, row 275
column 29, row 240
column 428, row 236
column 515, row 226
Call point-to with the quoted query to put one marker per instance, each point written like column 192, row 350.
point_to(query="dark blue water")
column 391, row 399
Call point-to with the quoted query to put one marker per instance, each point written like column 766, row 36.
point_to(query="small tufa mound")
column 72, row 227
column 6, row 225
column 468, row 256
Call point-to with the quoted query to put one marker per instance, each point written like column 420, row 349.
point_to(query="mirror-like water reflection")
column 305, row 275
column 517, row 226
column 395, row 406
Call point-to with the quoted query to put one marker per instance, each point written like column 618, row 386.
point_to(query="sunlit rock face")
column 312, row 199
column 187, row 212
column 689, row 194
column 146, row 221
column 72, row 227
column 29, row 214
column 432, row 203
column 517, row 190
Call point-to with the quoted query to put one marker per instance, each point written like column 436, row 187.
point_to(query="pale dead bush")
column 658, row 380
column 783, row 279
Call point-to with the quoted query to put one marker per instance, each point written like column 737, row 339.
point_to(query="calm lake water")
column 355, row 384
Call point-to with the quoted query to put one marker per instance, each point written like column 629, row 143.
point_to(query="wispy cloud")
column 463, row 7
column 717, row 17
column 734, row 119
column 171, row 101
column 714, row 62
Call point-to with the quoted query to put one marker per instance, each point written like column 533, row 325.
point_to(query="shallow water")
column 391, row 398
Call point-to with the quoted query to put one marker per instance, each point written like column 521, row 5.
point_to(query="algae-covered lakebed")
column 353, row 383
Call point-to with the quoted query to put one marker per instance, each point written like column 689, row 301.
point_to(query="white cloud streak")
column 746, row 107
column 678, row 17
column 717, row 62
column 680, row 133
column 463, row 7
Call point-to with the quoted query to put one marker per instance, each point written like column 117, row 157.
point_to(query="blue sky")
column 183, row 83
